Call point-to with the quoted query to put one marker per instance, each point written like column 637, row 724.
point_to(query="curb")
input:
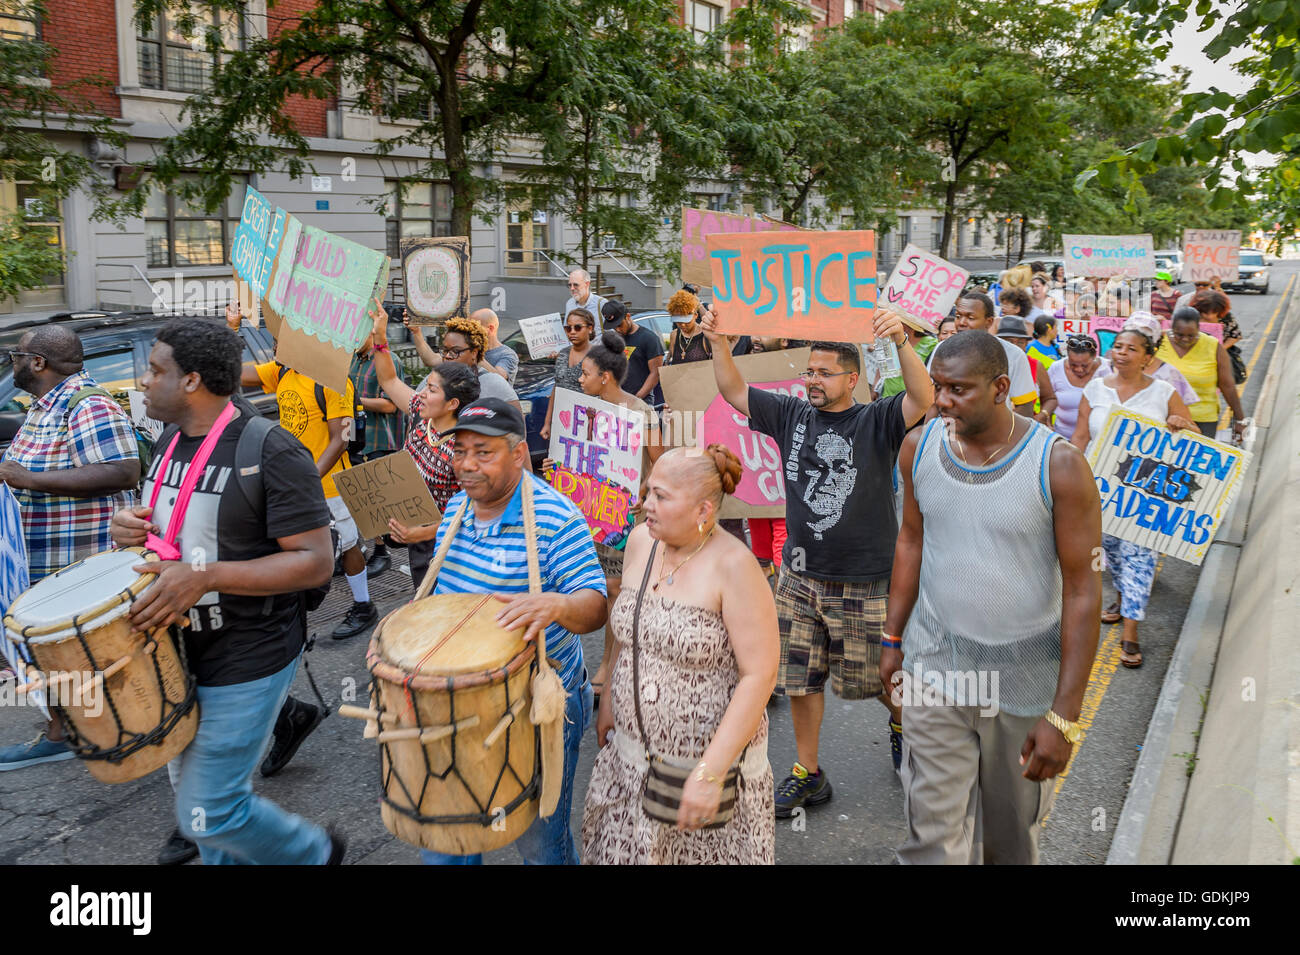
column 1148, row 823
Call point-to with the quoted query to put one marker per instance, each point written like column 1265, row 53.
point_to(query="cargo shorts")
column 830, row 628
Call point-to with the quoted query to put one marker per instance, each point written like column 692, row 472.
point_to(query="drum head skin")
column 98, row 588
column 448, row 635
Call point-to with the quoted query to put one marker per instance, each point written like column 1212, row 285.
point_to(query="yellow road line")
column 1259, row 347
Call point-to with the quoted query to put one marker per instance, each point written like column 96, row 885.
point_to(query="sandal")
column 1130, row 648
column 1111, row 614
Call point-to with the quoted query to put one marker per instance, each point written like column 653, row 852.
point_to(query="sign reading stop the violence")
column 1211, row 253
column 924, row 287
column 811, row 285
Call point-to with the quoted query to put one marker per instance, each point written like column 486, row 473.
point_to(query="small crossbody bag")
column 662, row 796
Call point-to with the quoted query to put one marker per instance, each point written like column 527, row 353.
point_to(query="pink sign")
column 1114, row 323
column 761, row 484
column 699, row 223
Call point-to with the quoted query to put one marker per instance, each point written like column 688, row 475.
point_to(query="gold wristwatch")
column 1071, row 731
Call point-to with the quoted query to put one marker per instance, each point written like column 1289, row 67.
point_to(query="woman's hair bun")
column 728, row 465
column 612, row 340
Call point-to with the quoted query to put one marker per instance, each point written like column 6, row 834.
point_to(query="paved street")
column 58, row 813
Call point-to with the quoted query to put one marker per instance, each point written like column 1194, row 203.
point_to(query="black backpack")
column 357, row 443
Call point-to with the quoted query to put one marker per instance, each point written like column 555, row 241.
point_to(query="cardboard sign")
column 388, row 487
column 13, row 568
column 1208, row 253
column 597, row 450
column 140, row 418
column 321, row 288
column 544, row 334
column 256, row 243
column 815, row 285
column 1104, row 256
column 924, row 287
column 1162, row 489
column 700, row 416
column 436, row 276
column 1114, row 324
column 698, row 223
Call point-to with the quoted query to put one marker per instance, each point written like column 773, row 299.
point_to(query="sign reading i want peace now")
column 1106, row 256
column 314, row 287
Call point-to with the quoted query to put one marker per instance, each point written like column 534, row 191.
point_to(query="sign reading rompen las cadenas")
column 1166, row 490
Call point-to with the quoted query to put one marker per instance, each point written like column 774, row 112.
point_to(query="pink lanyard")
column 166, row 549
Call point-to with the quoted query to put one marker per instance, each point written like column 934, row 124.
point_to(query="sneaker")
column 294, row 724
column 40, row 750
column 361, row 617
column 379, row 562
column 338, row 846
column 178, row 850
column 801, row 788
column 896, row 744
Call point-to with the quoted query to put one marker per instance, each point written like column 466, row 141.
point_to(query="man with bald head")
column 581, row 296
column 498, row 358
column 72, row 464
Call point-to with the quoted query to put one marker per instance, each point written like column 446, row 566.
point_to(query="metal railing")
column 619, row 262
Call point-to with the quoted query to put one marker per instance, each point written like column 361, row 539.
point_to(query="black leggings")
column 1208, row 428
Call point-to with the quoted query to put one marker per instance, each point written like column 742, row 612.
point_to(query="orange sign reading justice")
column 810, row 285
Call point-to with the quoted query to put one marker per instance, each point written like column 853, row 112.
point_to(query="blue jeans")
column 213, row 778
column 547, row 841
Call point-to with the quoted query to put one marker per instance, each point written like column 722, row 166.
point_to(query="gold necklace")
column 669, row 576
column 961, row 449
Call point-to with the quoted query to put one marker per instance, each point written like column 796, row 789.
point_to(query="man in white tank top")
column 990, row 679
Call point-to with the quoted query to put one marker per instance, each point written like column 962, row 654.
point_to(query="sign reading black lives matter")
column 1166, row 490
column 436, row 275
column 390, row 487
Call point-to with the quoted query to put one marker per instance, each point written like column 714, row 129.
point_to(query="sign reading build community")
column 699, row 223
column 1211, row 253
column 389, row 487
column 1104, row 256
column 1162, row 489
column 924, row 287
column 436, row 277
column 700, row 416
column 811, row 285
column 596, row 447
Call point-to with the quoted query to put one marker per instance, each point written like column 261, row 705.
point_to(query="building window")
column 527, row 240
column 40, row 213
column 18, row 21
column 936, row 232
column 979, row 233
column 703, row 19
column 179, row 233
column 713, row 201
column 172, row 60
column 415, row 209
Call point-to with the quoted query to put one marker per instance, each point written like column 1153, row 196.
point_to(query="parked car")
column 1252, row 272
column 1171, row 261
column 116, row 346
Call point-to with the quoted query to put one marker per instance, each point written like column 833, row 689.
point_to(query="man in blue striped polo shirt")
column 489, row 555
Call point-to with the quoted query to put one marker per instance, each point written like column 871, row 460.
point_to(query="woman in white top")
column 1131, row 567
column 1066, row 381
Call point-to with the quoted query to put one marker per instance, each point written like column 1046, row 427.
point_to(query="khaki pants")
column 964, row 797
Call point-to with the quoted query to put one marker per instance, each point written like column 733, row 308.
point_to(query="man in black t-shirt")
column 841, row 527
column 645, row 354
column 252, row 538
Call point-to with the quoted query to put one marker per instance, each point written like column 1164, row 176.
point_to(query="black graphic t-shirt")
column 235, row 639
column 838, row 471
column 643, row 346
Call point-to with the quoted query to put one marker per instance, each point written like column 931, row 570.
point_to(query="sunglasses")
column 1081, row 343
column 576, row 328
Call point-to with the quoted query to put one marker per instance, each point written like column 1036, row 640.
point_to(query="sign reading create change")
column 923, row 287
column 811, row 285
column 1163, row 489
column 1104, row 256
column 257, row 240
column 388, row 487
column 1211, row 253
column 597, row 450
column 544, row 334
column 436, row 276
column 699, row 223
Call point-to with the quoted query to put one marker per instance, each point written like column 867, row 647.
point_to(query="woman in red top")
column 432, row 411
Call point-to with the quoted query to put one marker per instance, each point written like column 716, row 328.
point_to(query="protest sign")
column 923, row 287
column 698, row 223
column 436, row 276
column 13, row 567
column 1162, row 489
column 1104, row 256
column 813, row 285
column 597, row 450
column 140, row 418
column 321, row 288
column 388, row 487
column 257, row 241
column 700, row 416
column 1114, row 323
column 544, row 334
column 1208, row 253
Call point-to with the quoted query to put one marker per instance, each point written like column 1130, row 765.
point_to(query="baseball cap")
column 491, row 416
column 613, row 311
column 1164, row 276
column 1012, row 326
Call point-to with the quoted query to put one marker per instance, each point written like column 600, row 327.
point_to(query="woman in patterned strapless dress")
column 708, row 660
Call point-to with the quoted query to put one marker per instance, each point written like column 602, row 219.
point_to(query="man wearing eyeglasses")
column 72, row 465
column 841, row 525
column 581, row 296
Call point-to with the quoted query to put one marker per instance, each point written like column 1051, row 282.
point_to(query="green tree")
column 32, row 112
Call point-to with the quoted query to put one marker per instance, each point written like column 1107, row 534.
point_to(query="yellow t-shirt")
column 300, row 413
column 1200, row 366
